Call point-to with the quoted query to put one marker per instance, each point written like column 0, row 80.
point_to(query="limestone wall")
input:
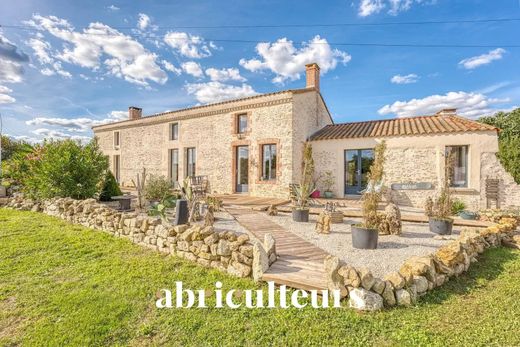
column 235, row 254
column 509, row 190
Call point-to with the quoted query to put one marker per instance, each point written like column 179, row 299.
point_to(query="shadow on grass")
column 491, row 264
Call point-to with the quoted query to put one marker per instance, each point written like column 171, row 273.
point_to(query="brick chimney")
column 134, row 113
column 312, row 72
column 447, row 112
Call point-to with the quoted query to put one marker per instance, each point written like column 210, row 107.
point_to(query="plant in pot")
column 365, row 235
column 439, row 211
column 328, row 182
column 303, row 191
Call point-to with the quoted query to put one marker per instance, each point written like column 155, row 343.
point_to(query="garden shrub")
column 110, row 187
column 457, row 206
column 157, row 187
column 64, row 169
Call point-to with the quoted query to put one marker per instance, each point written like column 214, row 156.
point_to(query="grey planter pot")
column 299, row 215
column 468, row 215
column 328, row 195
column 363, row 238
column 181, row 212
column 441, row 226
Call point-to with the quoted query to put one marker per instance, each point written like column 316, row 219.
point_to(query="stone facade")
column 412, row 159
column 285, row 119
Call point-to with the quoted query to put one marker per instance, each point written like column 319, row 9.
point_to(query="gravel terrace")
column 392, row 251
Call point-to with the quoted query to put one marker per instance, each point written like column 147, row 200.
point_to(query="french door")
column 242, row 169
column 357, row 166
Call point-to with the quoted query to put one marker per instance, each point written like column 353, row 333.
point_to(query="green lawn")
column 67, row 285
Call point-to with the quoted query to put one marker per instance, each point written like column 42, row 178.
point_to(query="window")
column 174, row 165
column 116, row 139
column 457, row 159
column 174, row 131
column 191, row 159
column 241, row 123
column 116, row 162
column 268, row 162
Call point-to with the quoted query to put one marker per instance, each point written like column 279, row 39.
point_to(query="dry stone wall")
column 226, row 251
column 509, row 190
column 417, row 275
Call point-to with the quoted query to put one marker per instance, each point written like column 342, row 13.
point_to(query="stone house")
column 254, row 146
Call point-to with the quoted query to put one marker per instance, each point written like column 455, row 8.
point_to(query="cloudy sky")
column 65, row 66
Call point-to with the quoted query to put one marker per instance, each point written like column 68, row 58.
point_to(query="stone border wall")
column 417, row 275
column 235, row 254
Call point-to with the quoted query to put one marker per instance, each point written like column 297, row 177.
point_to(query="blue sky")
column 65, row 65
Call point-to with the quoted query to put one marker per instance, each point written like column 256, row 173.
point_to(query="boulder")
column 403, row 297
column 379, row 286
column 421, row 283
column 450, row 254
column 334, row 280
column 350, row 276
column 389, row 294
column 260, row 262
column 223, row 248
column 395, row 279
column 365, row 300
column 239, row 269
column 367, row 279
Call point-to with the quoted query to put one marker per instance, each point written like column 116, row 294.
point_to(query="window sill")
column 273, row 181
column 463, row 190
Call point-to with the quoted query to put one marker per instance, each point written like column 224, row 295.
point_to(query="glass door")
column 357, row 166
column 242, row 169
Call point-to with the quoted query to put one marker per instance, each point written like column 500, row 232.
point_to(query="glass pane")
column 242, row 123
column 243, row 165
column 175, row 131
column 459, row 165
column 351, row 163
column 367, row 158
column 273, row 161
column 174, row 162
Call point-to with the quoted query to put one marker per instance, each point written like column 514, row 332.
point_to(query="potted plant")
column 300, row 212
column 468, row 215
column 439, row 211
column 328, row 183
column 365, row 235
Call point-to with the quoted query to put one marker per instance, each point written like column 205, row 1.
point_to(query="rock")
column 391, row 220
column 323, row 223
column 403, row 297
column 223, row 248
column 379, row 286
column 334, row 280
column 188, row 234
column 239, row 257
column 365, row 300
column 238, row 269
column 246, row 250
column 396, row 280
column 260, row 262
column 450, row 254
column 211, row 239
column 367, row 279
column 242, row 239
column 179, row 229
column 272, row 210
column 269, row 244
column 389, row 294
column 350, row 276
column 421, row 283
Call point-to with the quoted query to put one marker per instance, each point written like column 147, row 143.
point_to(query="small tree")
column 328, row 181
column 372, row 195
column 110, row 187
column 441, row 207
column 64, row 169
column 306, row 187
column 157, row 187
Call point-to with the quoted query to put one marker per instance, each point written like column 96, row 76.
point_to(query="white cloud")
column 287, row 61
column 369, row 7
column 483, row 59
column 59, row 135
column 472, row 105
column 170, row 67
column 42, row 49
column 192, row 68
column 113, row 8
column 215, row 91
column 143, row 22
column 81, row 124
column 124, row 57
column 188, row 45
column 406, row 79
column 223, row 75
column 4, row 97
column 11, row 60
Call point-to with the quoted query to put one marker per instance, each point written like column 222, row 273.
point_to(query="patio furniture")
column 199, row 186
column 492, row 192
column 125, row 201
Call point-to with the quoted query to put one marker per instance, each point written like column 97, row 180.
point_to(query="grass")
column 62, row 284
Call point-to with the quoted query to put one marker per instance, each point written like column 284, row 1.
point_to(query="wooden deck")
column 252, row 202
column 300, row 263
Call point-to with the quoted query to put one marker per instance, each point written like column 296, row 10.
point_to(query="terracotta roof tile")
column 436, row 124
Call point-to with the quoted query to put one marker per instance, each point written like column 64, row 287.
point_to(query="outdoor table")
column 124, row 201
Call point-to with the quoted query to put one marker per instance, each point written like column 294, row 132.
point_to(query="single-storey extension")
column 254, row 145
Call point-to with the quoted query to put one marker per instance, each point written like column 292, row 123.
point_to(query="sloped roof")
column 420, row 125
